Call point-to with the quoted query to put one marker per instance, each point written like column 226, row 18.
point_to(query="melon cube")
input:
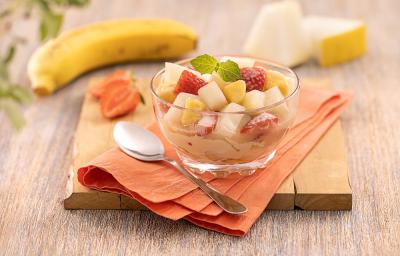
column 212, row 95
column 166, row 92
column 235, row 91
column 174, row 114
column 272, row 96
column 275, row 78
column 229, row 125
column 173, row 72
column 241, row 61
column 190, row 117
column 216, row 78
column 254, row 99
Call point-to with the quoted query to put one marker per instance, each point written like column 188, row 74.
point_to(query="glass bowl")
column 210, row 145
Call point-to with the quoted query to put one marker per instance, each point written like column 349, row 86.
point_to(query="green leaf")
column 142, row 99
column 50, row 24
column 10, row 54
column 20, row 94
column 13, row 111
column 205, row 63
column 229, row 71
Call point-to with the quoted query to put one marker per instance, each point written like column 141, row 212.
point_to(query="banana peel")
column 80, row 50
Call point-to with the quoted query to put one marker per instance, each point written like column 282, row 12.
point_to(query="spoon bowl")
column 141, row 144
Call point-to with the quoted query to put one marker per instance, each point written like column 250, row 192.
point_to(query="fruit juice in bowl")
column 227, row 114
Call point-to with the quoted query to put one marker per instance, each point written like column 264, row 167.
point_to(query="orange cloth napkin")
column 168, row 193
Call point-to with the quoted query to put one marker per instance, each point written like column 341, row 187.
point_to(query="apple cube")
column 212, row 95
column 275, row 78
column 166, row 92
column 235, row 91
column 241, row 61
column 190, row 117
column 216, row 78
column 272, row 96
column 254, row 99
column 174, row 114
column 207, row 77
column 229, row 125
column 174, row 71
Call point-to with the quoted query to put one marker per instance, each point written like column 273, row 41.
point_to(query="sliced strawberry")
column 119, row 78
column 260, row 123
column 254, row 78
column 206, row 125
column 189, row 82
column 119, row 101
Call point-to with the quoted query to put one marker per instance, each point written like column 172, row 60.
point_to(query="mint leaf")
column 205, row 63
column 229, row 71
column 50, row 24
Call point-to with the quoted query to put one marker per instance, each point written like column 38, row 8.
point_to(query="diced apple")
column 166, row 92
column 207, row 77
column 174, row 114
column 272, row 96
column 212, row 95
column 254, row 99
column 174, row 71
column 275, row 78
column 229, row 125
column 241, row 61
column 216, row 78
column 190, row 117
column 235, row 91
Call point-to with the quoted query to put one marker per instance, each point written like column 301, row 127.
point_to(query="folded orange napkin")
column 168, row 193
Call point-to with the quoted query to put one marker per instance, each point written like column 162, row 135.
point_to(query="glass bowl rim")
column 210, row 112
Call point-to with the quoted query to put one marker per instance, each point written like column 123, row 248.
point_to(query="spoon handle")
column 225, row 202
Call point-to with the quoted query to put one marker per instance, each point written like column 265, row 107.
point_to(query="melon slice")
column 335, row 40
column 277, row 34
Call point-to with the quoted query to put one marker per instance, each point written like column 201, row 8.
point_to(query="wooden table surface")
column 34, row 163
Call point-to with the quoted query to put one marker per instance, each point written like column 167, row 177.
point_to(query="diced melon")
column 190, row 117
column 241, row 61
column 272, row 96
column 173, row 72
column 173, row 114
column 216, row 78
column 212, row 95
column 229, row 124
column 275, row 78
column 235, row 91
column 335, row 40
column 254, row 99
column 166, row 92
column 277, row 34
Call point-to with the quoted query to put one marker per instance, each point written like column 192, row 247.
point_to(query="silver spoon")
column 141, row 144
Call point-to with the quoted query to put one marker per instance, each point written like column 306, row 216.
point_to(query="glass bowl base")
column 223, row 170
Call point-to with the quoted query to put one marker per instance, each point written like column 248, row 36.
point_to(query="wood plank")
column 322, row 182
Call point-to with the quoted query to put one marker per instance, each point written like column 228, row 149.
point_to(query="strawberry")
column 189, row 82
column 98, row 87
column 254, row 78
column 119, row 101
column 206, row 125
column 260, row 123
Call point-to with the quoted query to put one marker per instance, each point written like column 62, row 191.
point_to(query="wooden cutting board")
column 320, row 182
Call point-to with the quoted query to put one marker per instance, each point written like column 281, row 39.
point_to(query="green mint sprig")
column 228, row 70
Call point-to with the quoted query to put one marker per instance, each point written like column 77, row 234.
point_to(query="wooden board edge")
column 325, row 202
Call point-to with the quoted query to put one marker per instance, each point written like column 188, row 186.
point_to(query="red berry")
column 254, row 78
column 189, row 82
column 260, row 123
column 206, row 125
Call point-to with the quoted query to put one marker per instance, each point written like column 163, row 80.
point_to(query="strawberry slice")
column 260, row 123
column 206, row 125
column 189, row 82
column 254, row 78
column 119, row 101
column 98, row 87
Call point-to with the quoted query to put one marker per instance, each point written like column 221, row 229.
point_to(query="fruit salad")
column 226, row 113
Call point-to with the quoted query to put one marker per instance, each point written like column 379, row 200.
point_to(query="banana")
column 64, row 58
